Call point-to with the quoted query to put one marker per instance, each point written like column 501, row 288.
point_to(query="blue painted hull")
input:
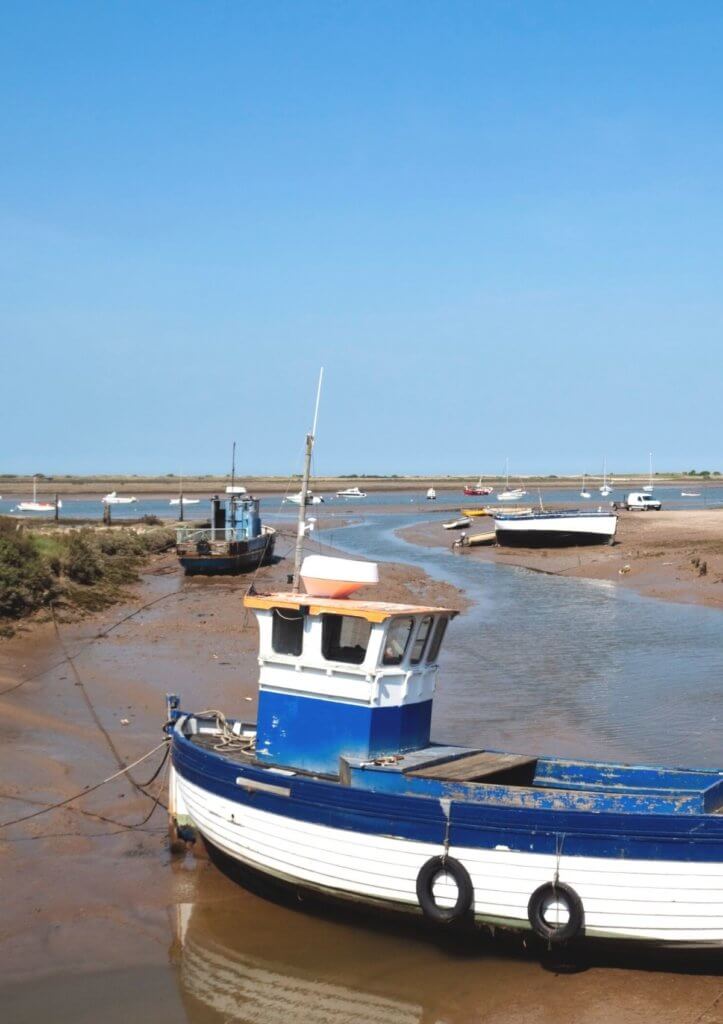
column 640, row 848
column 690, row 837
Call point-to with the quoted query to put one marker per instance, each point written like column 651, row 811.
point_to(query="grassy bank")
column 75, row 571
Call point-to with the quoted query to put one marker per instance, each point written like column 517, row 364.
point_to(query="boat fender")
column 428, row 874
column 565, row 895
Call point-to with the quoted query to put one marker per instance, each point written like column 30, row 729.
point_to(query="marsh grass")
column 78, row 571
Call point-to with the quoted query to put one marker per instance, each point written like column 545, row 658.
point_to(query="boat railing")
column 192, row 535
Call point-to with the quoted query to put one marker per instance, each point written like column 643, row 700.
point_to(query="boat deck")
column 503, row 779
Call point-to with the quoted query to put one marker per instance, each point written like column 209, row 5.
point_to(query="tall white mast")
column 301, row 527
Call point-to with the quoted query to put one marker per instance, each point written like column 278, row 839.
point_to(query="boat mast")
column 232, row 498
column 301, row 527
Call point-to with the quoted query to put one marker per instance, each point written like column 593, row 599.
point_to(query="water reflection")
column 263, row 976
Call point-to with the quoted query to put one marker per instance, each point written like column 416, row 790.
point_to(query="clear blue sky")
column 499, row 226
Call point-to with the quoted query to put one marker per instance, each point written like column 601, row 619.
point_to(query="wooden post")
column 106, row 513
column 180, row 508
column 57, row 509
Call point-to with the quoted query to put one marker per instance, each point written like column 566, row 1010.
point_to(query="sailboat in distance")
column 584, row 493
column 649, row 486
column 606, row 488
column 182, row 499
column 510, row 493
column 35, row 505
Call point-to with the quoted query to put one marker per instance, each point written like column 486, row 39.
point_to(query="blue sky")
column 499, row 226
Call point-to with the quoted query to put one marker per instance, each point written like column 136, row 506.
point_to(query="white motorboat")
column 584, row 493
column 35, row 505
column 649, row 486
column 690, row 494
column 431, row 494
column 351, row 492
column 113, row 498
column 555, row 529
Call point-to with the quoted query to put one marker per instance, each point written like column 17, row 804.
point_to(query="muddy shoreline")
column 673, row 556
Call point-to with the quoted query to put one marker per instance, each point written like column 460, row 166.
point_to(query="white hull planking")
column 604, row 525
column 656, row 901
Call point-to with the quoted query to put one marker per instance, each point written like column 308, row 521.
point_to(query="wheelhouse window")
column 437, row 638
column 345, row 638
column 287, row 631
column 420, row 640
column 397, row 640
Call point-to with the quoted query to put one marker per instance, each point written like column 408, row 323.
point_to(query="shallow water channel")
column 545, row 664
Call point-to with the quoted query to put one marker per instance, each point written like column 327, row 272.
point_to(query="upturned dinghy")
column 338, row 789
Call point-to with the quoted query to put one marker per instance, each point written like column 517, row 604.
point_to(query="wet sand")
column 100, row 922
column 675, row 556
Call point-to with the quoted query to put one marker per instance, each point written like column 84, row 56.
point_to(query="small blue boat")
column 338, row 789
column 234, row 542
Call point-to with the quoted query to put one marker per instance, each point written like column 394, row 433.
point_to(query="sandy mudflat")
column 677, row 556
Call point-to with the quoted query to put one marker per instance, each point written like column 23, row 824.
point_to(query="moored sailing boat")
column 38, row 506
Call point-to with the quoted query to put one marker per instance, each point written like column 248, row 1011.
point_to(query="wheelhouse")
column 343, row 678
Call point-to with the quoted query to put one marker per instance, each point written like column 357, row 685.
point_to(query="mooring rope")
column 91, row 789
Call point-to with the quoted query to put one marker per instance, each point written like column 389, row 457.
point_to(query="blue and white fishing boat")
column 338, row 788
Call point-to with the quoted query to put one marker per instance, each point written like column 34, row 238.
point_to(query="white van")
column 642, row 501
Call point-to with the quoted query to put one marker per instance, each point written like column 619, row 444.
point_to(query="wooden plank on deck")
column 472, row 768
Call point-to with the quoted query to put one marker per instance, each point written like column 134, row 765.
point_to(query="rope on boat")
column 228, row 739
column 91, row 789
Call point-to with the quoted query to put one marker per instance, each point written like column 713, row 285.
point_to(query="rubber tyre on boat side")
column 564, row 894
column 428, row 873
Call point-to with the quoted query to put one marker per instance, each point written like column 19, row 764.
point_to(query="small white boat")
column 431, row 494
column 311, row 499
column 649, row 486
column 351, row 492
column 606, row 489
column 690, row 494
column 584, row 493
column 35, row 505
column 113, row 498
column 458, row 524
column 184, row 501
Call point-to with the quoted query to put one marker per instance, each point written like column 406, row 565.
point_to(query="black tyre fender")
column 429, row 871
column 565, row 894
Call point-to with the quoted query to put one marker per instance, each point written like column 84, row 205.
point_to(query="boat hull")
column 640, row 877
column 235, row 556
column 551, row 530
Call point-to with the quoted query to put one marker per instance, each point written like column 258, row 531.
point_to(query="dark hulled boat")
column 234, row 542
